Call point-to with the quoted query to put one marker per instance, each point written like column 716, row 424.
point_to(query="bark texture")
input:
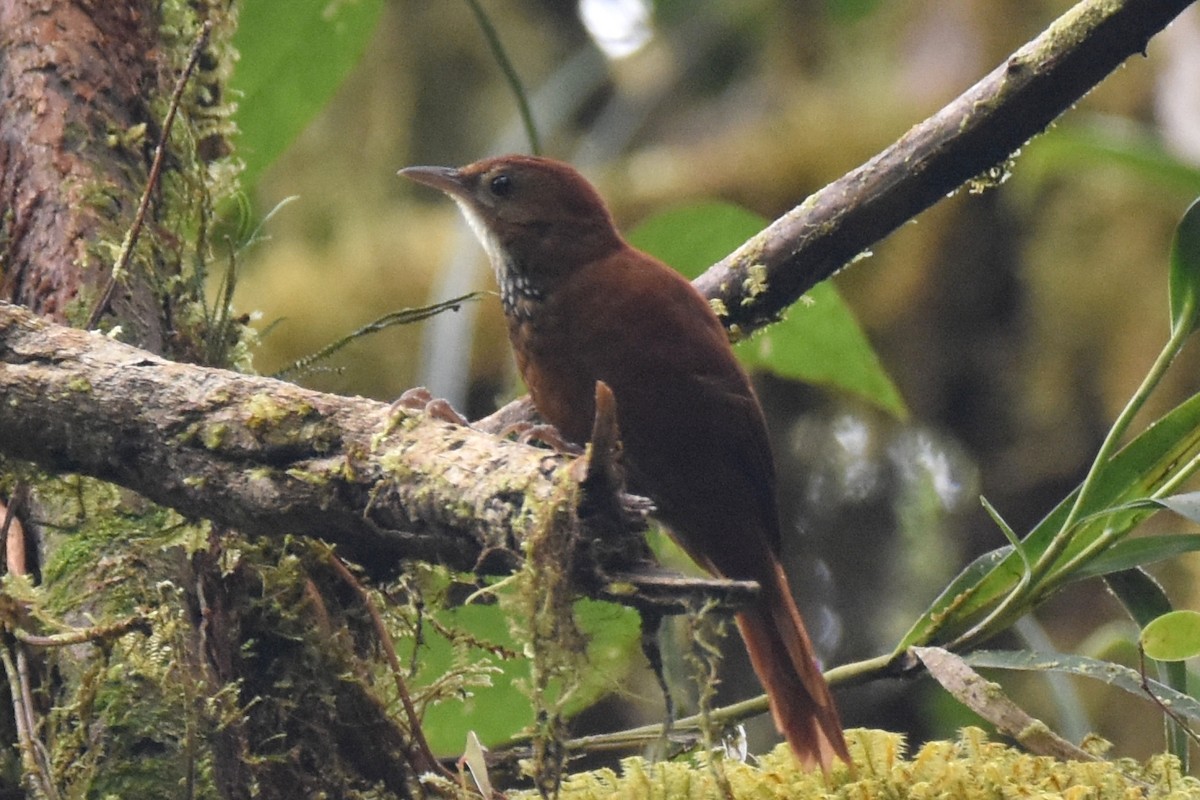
column 264, row 456
column 76, row 80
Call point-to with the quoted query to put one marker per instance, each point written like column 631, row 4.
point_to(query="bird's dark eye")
column 501, row 185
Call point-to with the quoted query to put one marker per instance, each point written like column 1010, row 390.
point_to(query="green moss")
column 309, row 476
column 139, row 716
column 215, row 436
column 8, row 218
column 394, row 464
column 754, row 284
column 289, row 424
column 399, row 419
column 191, row 434
column 173, row 253
column 132, row 138
column 264, row 411
column 991, row 177
column 971, row 767
column 110, row 555
column 544, row 618
column 220, row 397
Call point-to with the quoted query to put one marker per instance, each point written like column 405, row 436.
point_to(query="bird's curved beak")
column 447, row 179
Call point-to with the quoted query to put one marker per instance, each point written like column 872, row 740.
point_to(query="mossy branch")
column 265, row 456
column 270, row 458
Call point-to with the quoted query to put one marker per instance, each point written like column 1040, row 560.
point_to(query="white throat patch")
column 486, row 238
column 518, row 294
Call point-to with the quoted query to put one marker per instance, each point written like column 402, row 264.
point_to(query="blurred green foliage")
column 294, row 56
column 498, row 707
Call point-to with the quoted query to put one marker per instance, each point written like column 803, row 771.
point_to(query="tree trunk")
column 76, row 84
column 205, row 673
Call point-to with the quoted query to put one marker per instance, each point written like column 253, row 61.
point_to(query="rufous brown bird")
column 584, row 306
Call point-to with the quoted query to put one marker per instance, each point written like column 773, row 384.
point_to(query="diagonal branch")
column 976, row 133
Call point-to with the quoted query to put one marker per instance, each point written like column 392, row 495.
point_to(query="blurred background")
column 1015, row 323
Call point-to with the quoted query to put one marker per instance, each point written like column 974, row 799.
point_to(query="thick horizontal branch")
column 270, row 458
column 975, row 133
column 265, row 456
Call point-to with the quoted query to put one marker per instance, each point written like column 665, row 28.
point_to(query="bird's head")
column 538, row 219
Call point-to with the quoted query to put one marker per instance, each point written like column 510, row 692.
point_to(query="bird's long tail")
column 782, row 656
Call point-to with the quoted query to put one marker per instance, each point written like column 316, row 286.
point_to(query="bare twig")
column 33, row 774
column 35, row 760
column 510, row 74
column 405, row 316
column 426, row 761
column 1178, row 720
column 96, row 633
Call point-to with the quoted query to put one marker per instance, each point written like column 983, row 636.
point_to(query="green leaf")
column 1115, row 675
column 964, row 597
column 1174, row 636
column 1138, row 552
column 1149, row 461
column 1184, row 279
column 820, row 341
column 499, row 711
column 1143, row 596
column 692, row 237
column 1145, row 599
column 294, row 55
column 1096, row 141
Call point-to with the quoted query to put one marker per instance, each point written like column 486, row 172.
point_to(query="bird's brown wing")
column 694, row 435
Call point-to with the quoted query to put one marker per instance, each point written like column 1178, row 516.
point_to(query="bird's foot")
column 420, row 400
column 526, row 433
column 518, row 411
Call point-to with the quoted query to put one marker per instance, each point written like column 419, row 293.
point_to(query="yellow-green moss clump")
column 971, row 767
